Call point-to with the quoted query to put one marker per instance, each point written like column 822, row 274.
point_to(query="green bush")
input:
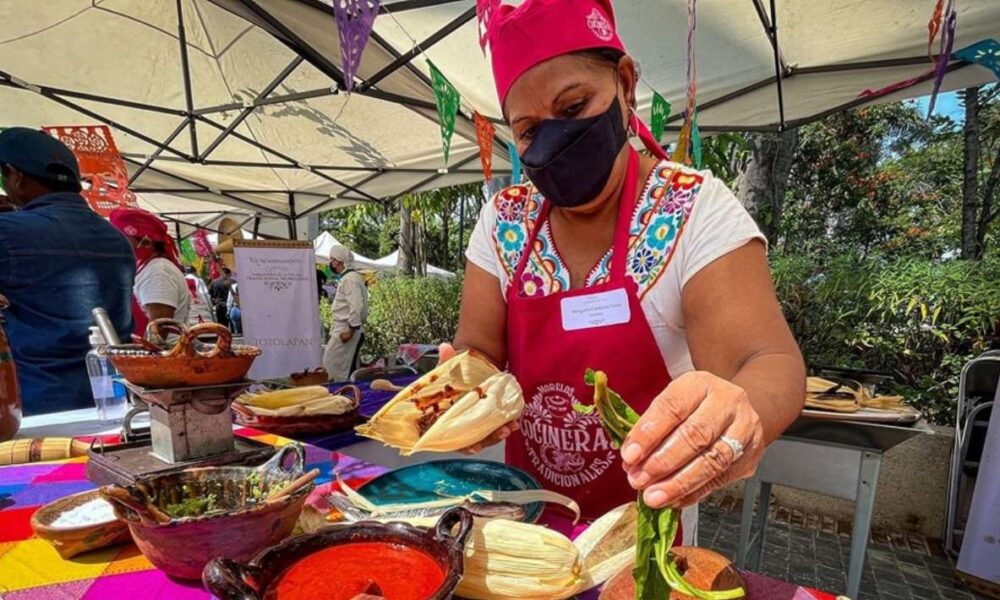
column 917, row 319
column 410, row 309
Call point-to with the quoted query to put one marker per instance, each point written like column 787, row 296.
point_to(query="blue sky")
column 947, row 105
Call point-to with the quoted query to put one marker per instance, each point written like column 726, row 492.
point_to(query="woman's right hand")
column 447, row 351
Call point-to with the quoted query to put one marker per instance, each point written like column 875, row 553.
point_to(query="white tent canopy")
column 828, row 52
column 238, row 102
column 326, row 241
column 391, row 261
column 248, row 123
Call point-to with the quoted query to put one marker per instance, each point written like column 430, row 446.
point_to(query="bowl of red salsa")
column 392, row 560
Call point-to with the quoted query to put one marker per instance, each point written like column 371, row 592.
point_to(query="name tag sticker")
column 595, row 310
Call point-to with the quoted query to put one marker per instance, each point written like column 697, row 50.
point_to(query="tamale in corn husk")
column 455, row 406
column 300, row 401
column 838, row 396
column 509, row 560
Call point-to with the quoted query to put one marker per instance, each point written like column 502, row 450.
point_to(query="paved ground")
column 899, row 567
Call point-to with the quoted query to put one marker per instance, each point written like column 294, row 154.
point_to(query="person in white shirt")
column 630, row 264
column 348, row 314
column 160, row 290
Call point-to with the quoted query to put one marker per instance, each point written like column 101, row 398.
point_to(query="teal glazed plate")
column 459, row 477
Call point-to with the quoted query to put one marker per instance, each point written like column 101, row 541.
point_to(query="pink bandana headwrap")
column 538, row 30
column 137, row 223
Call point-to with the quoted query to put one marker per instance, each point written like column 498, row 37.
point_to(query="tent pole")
column 292, row 233
column 285, row 157
column 201, row 188
column 427, row 180
column 256, row 225
column 186, row 72
column 159, row 150
column 333, row 199
column 420, row 48
column 177, row 231
column 249, row 110
column 461, row 228
column 93, row 115
column 778, row 70
column 7, row 80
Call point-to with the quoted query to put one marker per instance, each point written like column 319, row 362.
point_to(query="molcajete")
column 266, row 576
column 180, row 521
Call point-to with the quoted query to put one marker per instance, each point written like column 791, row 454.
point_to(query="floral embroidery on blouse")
column 657, row 223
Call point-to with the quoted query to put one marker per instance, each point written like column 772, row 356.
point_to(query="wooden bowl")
column 702, row 568
column 70, row 541
column 230, row 580
column 304, row 424
column 183, row 546
column 186, row 364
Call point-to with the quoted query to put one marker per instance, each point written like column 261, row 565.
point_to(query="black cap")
column 38, row 154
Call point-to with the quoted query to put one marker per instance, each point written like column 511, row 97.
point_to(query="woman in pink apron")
column 642, row 268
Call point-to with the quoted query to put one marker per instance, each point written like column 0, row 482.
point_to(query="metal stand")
column 189, row 426
column 190, row 423
column 836, row 459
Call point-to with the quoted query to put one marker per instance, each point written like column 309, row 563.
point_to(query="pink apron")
column 566, row 451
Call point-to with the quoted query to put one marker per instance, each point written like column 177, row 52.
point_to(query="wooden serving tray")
column 905, row 415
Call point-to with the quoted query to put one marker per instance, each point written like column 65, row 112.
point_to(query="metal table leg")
column 762, row 505
column 746, row 520
column 863, row 508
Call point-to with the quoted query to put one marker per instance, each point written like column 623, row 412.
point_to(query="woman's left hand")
column 699, row 434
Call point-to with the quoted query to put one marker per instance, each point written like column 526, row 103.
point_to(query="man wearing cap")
column 347, row 315
column 58, row 261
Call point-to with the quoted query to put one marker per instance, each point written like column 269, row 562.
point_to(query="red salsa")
column 342, row 572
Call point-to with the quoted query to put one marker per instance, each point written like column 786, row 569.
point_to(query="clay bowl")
column 304, row 424
column 182, row 546
column 230, row 580
column 307, row 377
column 188, row 363
column 70, row 541
column 702, row 568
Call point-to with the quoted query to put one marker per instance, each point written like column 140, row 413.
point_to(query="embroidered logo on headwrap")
column 600, row 25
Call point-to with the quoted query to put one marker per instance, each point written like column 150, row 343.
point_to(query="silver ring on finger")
column 735, row 445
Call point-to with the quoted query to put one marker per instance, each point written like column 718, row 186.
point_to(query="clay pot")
column 304, row 424
column 10, row 393
column 230, row 580
column 70, row 541
column 187, row 363
column 307, row 377
column 702, row 568
column 181, row 547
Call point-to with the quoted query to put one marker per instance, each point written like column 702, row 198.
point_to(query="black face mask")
column 570, row 160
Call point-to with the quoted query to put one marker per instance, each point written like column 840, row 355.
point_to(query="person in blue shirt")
column 58, row 261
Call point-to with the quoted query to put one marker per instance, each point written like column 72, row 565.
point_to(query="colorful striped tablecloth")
column 30, row 569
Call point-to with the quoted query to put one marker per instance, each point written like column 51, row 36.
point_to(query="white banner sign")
column 278, row 301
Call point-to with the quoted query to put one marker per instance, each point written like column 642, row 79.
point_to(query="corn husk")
column 884, row 402
column 284, row 398
column 476, row 399
column 312, row 400
column 509, row 560
column 837, row 396
column 378, row 511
